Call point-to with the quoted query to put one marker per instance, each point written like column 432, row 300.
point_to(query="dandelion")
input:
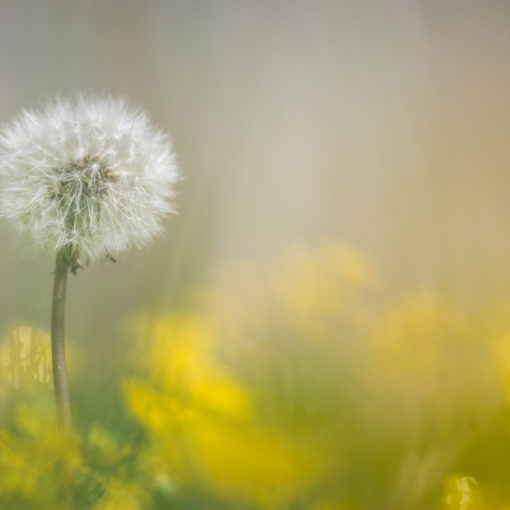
column 89, row 178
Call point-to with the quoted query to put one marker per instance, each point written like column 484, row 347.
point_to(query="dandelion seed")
column 88, row 177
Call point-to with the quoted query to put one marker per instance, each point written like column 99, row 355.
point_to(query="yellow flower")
column 312, row 287
column 203, row 421
column 463, row 493
column 25, row 357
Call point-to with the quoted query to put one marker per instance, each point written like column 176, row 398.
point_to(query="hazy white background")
column 384, row 124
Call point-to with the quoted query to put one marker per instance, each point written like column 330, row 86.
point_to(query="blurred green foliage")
column 302, row 387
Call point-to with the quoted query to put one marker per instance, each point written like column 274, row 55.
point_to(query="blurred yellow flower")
column 326, row 284
column 38, row 465
column 204, row 424
column 177, row 353
column 25, row 357
column 424, row 351
column 122, row 495
column 329, row 504
column 463, row 493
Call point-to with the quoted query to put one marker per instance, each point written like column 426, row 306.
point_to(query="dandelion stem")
column 58, row 351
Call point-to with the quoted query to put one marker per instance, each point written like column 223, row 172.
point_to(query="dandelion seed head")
column 89, row 174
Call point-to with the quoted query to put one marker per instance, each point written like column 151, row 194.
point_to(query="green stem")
column 58, row 351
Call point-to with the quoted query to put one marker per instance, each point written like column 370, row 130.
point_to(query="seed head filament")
column 79, row 188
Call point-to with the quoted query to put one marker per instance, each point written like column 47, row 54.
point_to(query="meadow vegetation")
column 306, row 386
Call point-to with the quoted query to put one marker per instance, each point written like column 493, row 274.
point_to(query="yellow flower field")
column 303, row 386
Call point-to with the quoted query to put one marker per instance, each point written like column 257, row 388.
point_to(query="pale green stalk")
column 58, row 351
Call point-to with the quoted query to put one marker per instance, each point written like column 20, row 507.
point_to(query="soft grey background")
column 383, row 124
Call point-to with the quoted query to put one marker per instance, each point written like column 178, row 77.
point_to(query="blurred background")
column 382, row 124
column 299, row 125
